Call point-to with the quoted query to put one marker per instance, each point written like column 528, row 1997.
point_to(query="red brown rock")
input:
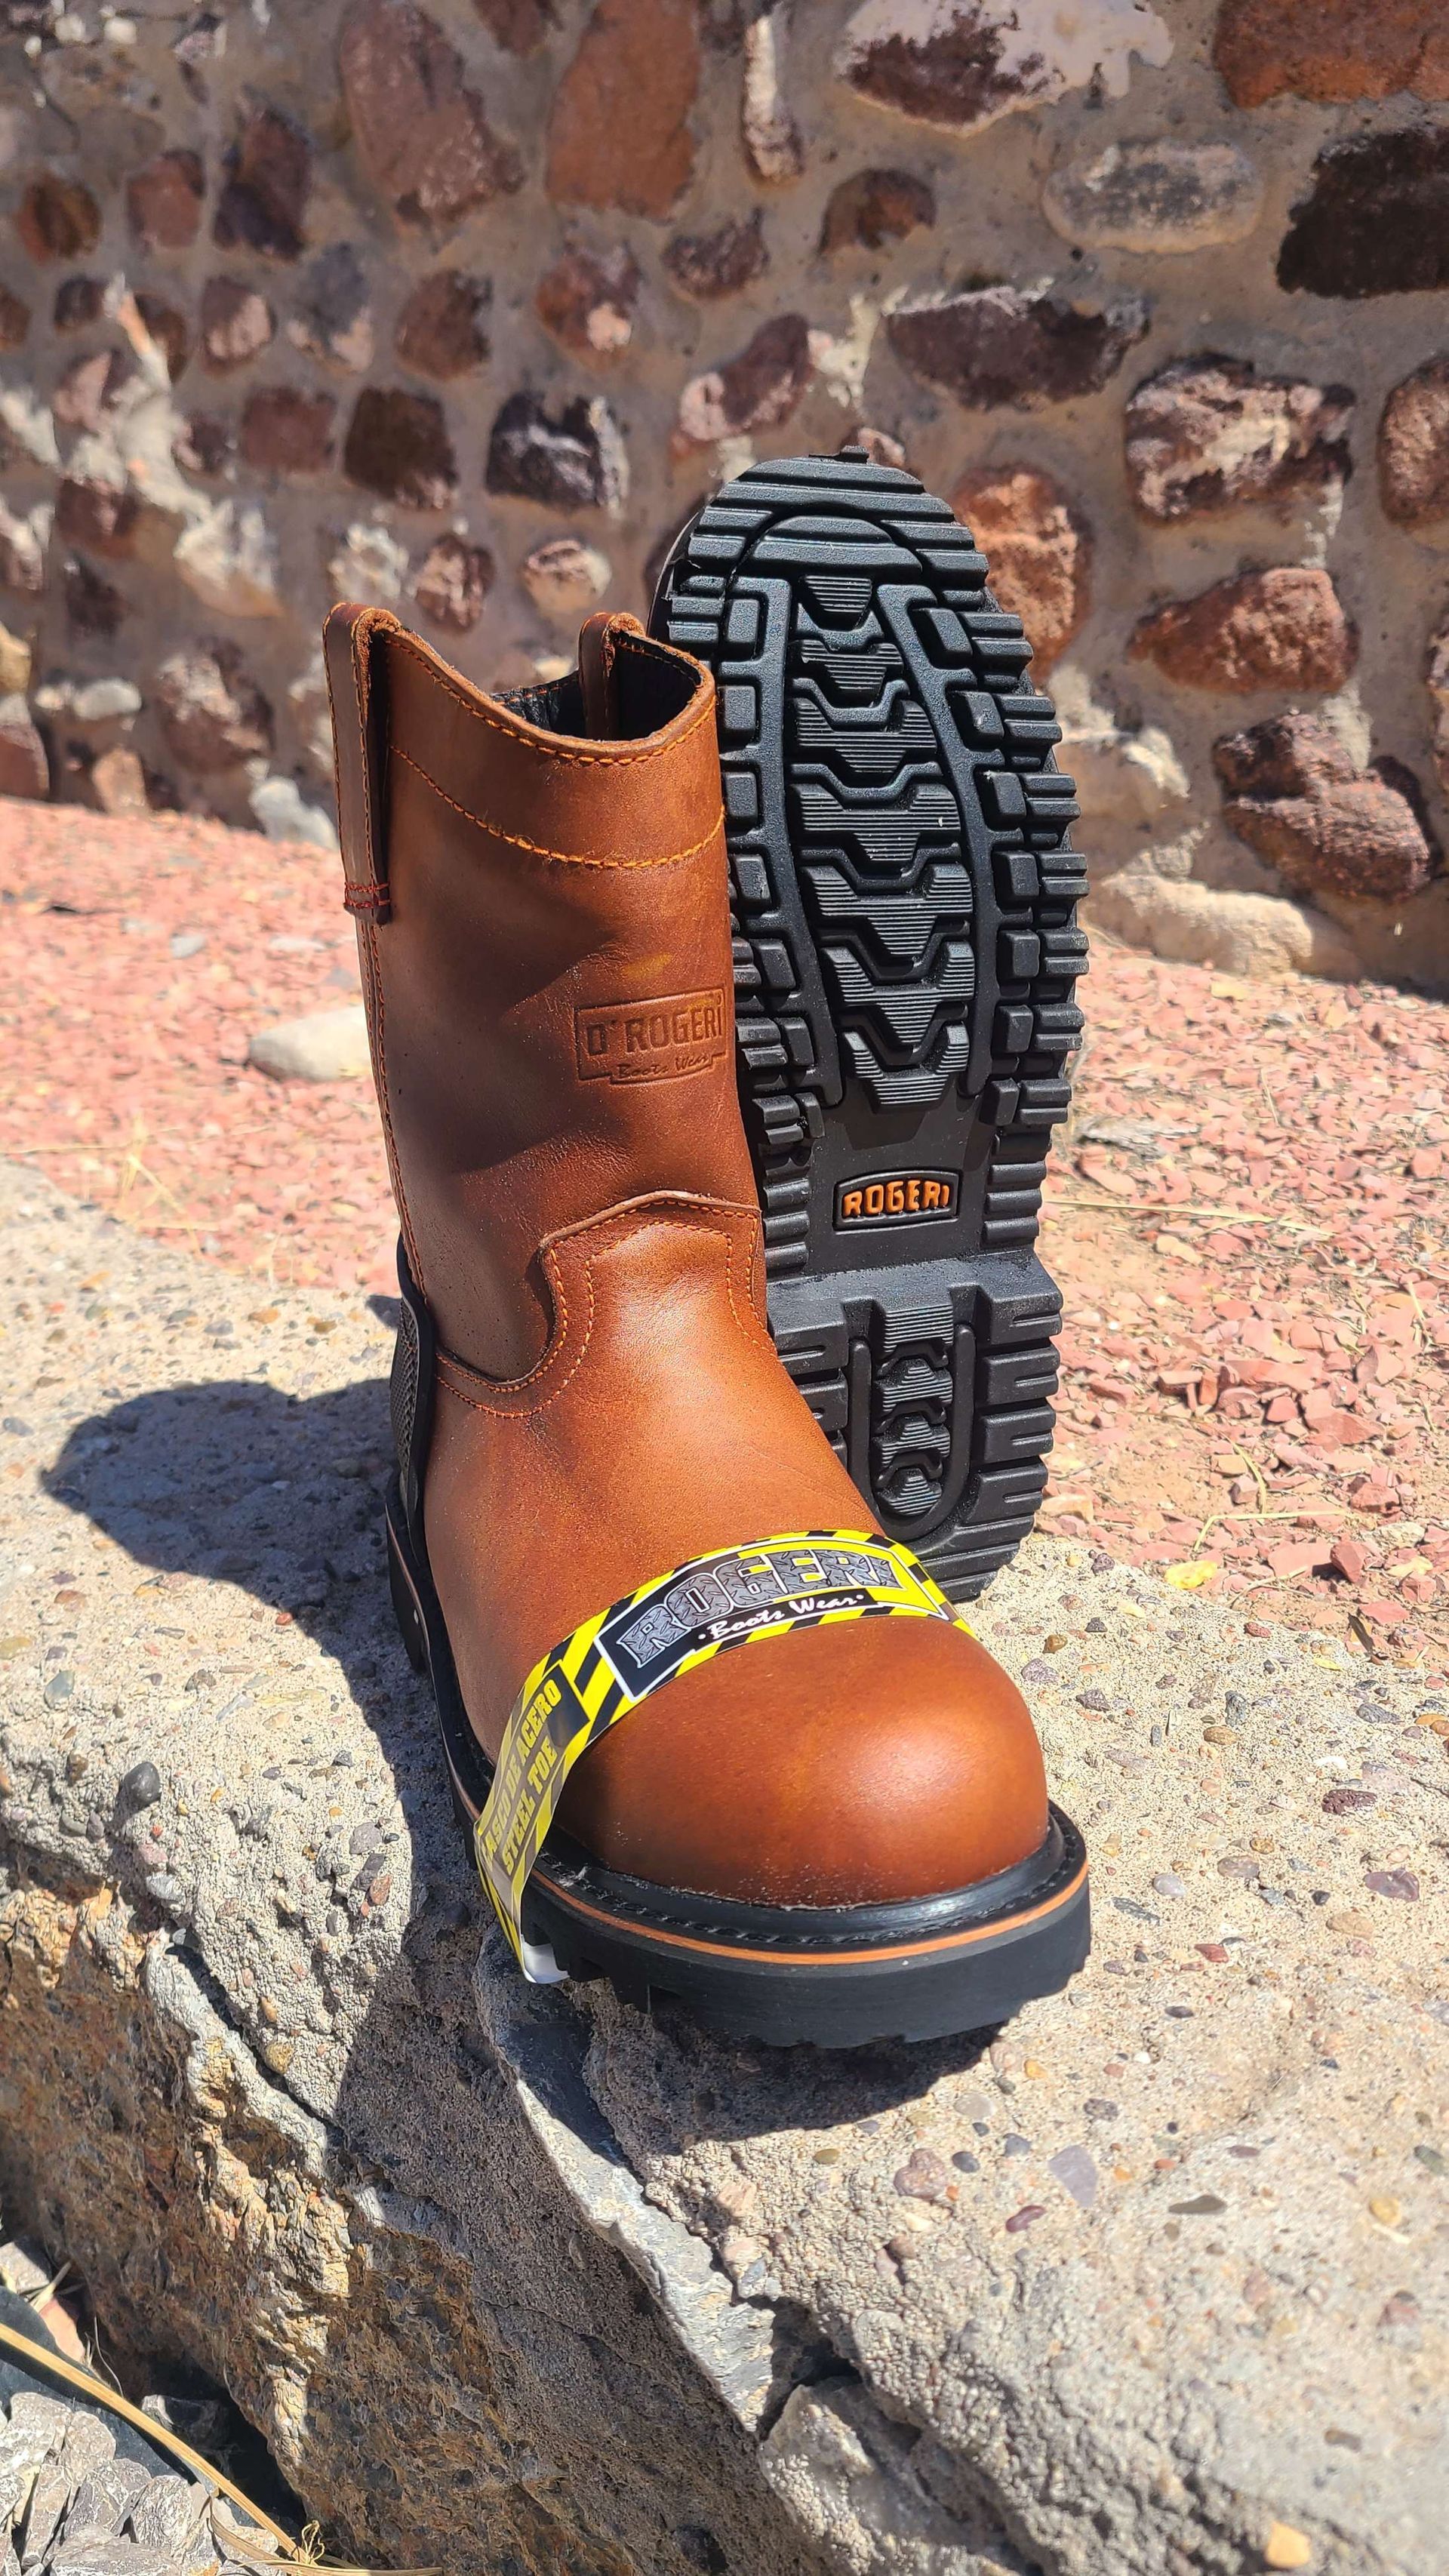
column 1375, row 219
column 236, row 325
column 440, row 328
column 1296, row 796
column 619, row 134
column 1017, row 346
column 875, row 208
column 79, row 301
column 1039, row 548
column 210, row 710
column 452, row 583
column 1210, row 434
column 286, row 431
column 422, row 134
column 168, row 329
column 24, row 769
column 1413, row 448
column 98, row 515
column 757, row 389
column 163, row 201
column 1283, row 628
column 709, row 265
column 573, row 460
column 269, row 176
column 586, row 300
column 14, row 319
column 58, row 218
column 1327, row 50
column 398, row 446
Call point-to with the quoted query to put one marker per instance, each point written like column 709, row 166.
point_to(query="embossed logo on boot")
column 896, row 1198
column 650, row 1041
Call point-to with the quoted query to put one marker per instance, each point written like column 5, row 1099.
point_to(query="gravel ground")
column 1248, row 1219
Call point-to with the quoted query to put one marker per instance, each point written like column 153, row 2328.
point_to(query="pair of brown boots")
column 716, row 1733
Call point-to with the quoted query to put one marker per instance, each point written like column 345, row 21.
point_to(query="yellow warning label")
column 737, row 1596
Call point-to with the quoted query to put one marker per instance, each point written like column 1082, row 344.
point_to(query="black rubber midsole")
column 903, row 892
column 1018, row 1934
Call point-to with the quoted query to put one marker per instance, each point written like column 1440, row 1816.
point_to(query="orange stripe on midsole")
column 820, row 1958
column 803, row 1958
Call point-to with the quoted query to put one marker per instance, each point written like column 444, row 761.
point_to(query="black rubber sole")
column 905, row 958
column 836, row 1977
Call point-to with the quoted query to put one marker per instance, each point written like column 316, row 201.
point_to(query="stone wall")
column 462, row 308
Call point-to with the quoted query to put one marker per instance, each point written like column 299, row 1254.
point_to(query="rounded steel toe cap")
column 846, row 1765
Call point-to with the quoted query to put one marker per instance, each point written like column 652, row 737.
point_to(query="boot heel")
column 405, row 1609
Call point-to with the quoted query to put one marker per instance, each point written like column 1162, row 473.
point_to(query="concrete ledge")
column 1155, row 2284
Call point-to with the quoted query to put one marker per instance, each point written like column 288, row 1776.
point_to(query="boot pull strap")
column 352, row 641
column 598, row 644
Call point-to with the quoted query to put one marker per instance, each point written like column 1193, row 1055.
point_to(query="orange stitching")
column 357, row 898
column 511, row 1412
column 711, row 1229
column 520, row 735
column 569, row 858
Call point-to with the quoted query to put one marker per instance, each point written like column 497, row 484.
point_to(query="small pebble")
column 1024, row 2218
column 140, row 1786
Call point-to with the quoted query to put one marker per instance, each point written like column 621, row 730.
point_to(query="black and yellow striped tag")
column 737, row 1596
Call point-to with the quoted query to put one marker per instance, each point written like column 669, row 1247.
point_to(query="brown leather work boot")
column 790, row 1787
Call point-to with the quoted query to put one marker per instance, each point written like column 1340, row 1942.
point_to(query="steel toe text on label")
column 650, row 1041
column 896, row 1198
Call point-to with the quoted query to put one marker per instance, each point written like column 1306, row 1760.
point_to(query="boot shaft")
column 539, row 883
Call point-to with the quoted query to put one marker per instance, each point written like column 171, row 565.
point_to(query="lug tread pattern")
column 875, row 963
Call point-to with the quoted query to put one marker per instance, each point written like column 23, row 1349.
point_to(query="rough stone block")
column 720, row 262
column 586, row 300
column 58, row 218
column 1280, row 629
column 1413, row 450
column 440, row 328
column 236, row 325
column 1022, row 347
column 452, row 582
column 595, row 2292
column 398, row 446
column 1296, row 795
column 1211, row 434
column 574, row 459
column 1162, row 197
column 759, row 388
column 286, row 431
column 163, row 201
column 421, row 132
column 963, row 63
column 1375, row 220
column 1327, row 50
column 213, row 716
column 1039, row 548
column 619, row 135
column 268, row 180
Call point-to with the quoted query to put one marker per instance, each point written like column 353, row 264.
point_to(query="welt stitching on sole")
column 903, row 891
